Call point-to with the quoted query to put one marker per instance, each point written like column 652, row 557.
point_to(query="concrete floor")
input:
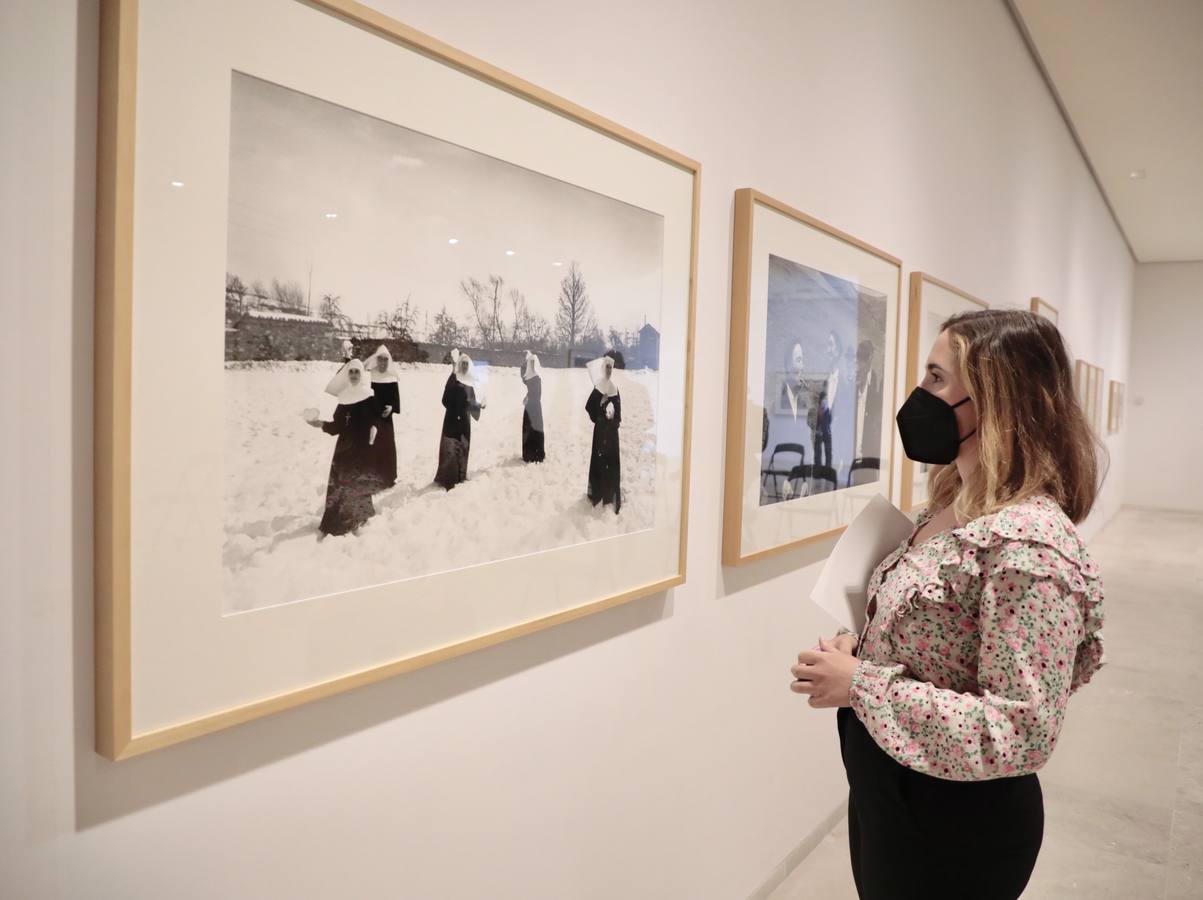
column 1123, row 791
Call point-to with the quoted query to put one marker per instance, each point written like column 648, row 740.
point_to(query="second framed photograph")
column 932, row 303
column 814, row 333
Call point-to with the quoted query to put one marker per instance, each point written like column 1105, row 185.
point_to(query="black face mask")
column 929, row 429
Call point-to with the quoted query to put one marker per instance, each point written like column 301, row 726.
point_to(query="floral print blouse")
column 979, row 637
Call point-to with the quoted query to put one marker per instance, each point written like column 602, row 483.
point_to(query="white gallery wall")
column 652, row 751
column 1165, row 430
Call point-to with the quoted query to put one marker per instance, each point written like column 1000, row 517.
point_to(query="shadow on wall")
column 105, row 790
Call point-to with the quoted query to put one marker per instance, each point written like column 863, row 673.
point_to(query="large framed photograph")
column 393, row 360
column 814, row 332
column 932, row 303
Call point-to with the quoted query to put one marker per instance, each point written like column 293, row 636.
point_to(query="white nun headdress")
column 463, row 370
column 531, row 367
column 340, row 385
column 390, row 372
column 600, row 371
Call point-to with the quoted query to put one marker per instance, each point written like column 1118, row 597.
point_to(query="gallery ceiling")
column 1129, row 77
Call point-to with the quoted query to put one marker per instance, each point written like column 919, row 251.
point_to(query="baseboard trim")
column 794, row 858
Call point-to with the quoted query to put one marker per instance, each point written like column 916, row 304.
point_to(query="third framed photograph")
column 814, row 333
column 932, row 303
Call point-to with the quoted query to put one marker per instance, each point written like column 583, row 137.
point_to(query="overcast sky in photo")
column 368, row 209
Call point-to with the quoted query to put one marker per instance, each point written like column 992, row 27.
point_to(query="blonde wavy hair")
column 1032, row 433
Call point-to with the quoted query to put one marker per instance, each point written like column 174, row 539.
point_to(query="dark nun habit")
column 532, row 413
column 388, row 404
column 459, row 400
column 605, row 411
column 349, row 489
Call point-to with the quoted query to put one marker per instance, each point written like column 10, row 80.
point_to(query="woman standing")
column 532, row 412
column 351, row 482
column 605, row 411
column 980, row 626
column 388, row 403
column 459, row 400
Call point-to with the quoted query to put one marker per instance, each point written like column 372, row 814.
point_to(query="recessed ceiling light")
column 331, row 215
column 177, row 184
column 509, row 253
column 557, row 264
column 1137, row 173
column 452, row 240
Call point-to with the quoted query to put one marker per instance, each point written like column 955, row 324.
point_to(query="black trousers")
column 912, row 835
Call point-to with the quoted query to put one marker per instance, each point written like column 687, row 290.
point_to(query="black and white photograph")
column 435, row 359
column 823, row 383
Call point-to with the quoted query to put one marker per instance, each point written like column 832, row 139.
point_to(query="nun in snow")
column 459, row 400
column 388, row 403
column 349, row 489
column 605, row 411
column 532, row 413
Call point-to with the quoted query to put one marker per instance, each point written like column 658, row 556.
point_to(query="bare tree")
column 486, row 300
column 522, row 315
column 446, row 330
column 399, row 322
column 574, row 313
column 288, row 296
column 330, row 308
column 235, row 296
column 538, row 332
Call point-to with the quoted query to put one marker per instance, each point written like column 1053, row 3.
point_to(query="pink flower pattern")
column 980, row 636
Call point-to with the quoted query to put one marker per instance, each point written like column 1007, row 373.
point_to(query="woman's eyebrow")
column 933, row 367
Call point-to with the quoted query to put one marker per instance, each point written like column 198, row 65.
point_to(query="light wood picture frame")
column 1088, row 385
column 812, row 308
column 1047, row 310
column 932, row 301
column 1115, row 406
column 174, row 664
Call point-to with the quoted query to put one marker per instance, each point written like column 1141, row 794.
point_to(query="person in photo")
column 386, row 388
column 352, row 481
column 797, row 412
column 604, row 407
column 867, row 439
column 532, row 411
column 459, row 401
column 828, row 394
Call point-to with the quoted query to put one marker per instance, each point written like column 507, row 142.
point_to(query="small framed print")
column 1045, row 309
column 1088, row 384
column 1115, row 406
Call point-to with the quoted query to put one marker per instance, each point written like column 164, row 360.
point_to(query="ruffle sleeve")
column 1052, row 550
column 1038, row 604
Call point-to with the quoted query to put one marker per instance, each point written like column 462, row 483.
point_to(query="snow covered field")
column 277, row 465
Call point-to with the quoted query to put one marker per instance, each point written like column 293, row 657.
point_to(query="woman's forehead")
column 941, row 353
